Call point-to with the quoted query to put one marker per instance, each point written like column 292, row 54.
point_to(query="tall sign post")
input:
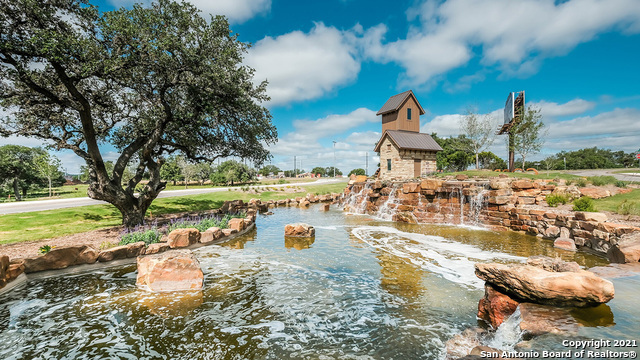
column 513, row 113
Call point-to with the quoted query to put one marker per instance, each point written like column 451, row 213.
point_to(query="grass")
column 634, row 171
column 60, row 222
column 625, row 204
column 541, row 174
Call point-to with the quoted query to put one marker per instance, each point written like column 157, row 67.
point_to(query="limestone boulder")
column 411, row 187
column 175, row 270
column 62, row 257
column 136, row 249
column 114, row 253
column 496, row 184
column 431, row 184
column 565, row 244
column 591, row 216
column 462, row 177
column 299, row 230
column 237, row 224
column 211, row 234
column 534, row 284
column 183, row 237
column 553, row 264
column 522, row 185
column 627, row 250
column 537, row 320
column 4, row 267
column 495, row 306
column 361, row 178
column 157, row 248
column 14, row 270
column 304, row 203
column 326, row 207
column 229, row 232
column 595, row 192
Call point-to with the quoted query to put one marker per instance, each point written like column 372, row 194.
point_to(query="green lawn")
column 52, row 223
column 552, row 174
column 625, row 204
column 634, row 171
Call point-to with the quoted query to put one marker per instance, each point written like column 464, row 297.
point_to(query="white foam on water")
column 508, row 333
column 450, row 259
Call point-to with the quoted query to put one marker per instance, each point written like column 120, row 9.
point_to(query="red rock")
column 114, row 253
column 431, row 184
column 495, row 307
column 533, row 284
column 462, row 177
column 411, row 187
column 14, row 271
column 211, row 234
column 4, row 267
column 236, row 224
column 594, row 192
column 538, row 320
column 228, row 232
column 62, row 257
column 157, row 248
column 522, row 184
column 299, row 230
column 326, row 207
column 183, row 237
column 565, row 244
column 175, row 270
column 627, row 250
column 305, row 203
column 591, row 216
column 135, row 249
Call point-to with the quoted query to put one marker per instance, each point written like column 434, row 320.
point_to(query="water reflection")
column 298, row 243
column 171, row 304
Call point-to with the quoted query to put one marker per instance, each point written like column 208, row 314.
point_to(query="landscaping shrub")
column 554, row 200
column 620, row 184
column 602, row 180
column 569, row 182
column 45, row 249
column 202, row 223
column 282, row 181
column 140, row 233
column 629, row 208
column 581, row 182
column 584, row 203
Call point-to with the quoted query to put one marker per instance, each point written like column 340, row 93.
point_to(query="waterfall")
column 386, row 212
column 508, row 333
column 476, row 204
column 356, row 203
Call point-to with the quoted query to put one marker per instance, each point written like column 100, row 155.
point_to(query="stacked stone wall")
column 502, row 204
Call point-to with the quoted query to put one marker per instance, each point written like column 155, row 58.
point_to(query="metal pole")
column 294, row 166
column 334, row 159
column 565, row 163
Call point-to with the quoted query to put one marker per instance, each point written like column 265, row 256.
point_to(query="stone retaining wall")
column 502, row 204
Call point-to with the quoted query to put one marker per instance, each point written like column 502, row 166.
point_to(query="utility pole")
column 366, row 162
column 294, row 166
column 565, row 163
column 334, row 159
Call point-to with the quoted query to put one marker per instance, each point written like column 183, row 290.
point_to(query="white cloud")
column 616, row 123
column 302, row 66
column 513, row 35
column 573, row 107
column 236, row 10
column 311, row 142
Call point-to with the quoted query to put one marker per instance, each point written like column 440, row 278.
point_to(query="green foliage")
column 454, row 155
column 330, row 169
column 528, row 134
column 24, row 169
column 479, row 130
column 593, row 158
column 602, row 180
column 282, row 181
column 554, row 200
column 320, row 170
column 491, row 161
column 584, row 203
column 203, row 223
column 620, row 184
column 582, row 182
column 357, row 171
column 231, row 172
column 148, row 235
column 44, row 249
column 628, row 207
column 170, row 170
column 148, row 81
column 269, row 170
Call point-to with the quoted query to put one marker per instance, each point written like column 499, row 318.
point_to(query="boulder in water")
column 495, row 306
column 183, row 237
column 299, row 230
column 534, row 284
column 174, row 270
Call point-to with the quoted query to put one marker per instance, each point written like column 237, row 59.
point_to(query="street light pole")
column 334, row 159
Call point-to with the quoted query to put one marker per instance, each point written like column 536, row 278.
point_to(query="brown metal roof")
column 410, row 140
column 394, row 103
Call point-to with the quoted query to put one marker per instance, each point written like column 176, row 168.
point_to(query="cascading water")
column 508, row 333
column 356, row 203
column 386, row 211
column 476, row 204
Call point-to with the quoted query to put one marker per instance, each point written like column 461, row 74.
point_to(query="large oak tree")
column 151, row 81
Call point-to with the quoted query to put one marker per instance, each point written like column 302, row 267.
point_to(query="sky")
column 332, row 64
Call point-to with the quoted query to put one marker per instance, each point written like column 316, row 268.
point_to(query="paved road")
column 610, row 172
column 40, row 205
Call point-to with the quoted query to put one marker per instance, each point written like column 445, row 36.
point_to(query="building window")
column 389, row 164
column 409, row 114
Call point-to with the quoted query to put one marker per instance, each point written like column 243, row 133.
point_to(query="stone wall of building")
column 402, row 161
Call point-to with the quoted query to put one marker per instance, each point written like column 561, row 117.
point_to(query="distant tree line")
column 24, row 169
column 589, row 158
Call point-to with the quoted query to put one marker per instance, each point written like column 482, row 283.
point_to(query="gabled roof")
column 409, row 140
column 394, row 103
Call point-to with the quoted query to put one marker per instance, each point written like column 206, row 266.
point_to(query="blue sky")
column 332, row 64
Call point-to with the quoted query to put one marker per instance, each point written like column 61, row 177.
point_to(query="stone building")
column 405, row 152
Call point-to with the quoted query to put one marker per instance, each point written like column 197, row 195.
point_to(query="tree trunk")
column 523, row 163
column 49, row 187
column 132, row 217
column 16, row 190
column 477, row 162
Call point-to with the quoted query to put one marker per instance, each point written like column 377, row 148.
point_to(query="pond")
column 363, row 289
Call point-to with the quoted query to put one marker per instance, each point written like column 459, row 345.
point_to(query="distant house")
column 405, row 152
